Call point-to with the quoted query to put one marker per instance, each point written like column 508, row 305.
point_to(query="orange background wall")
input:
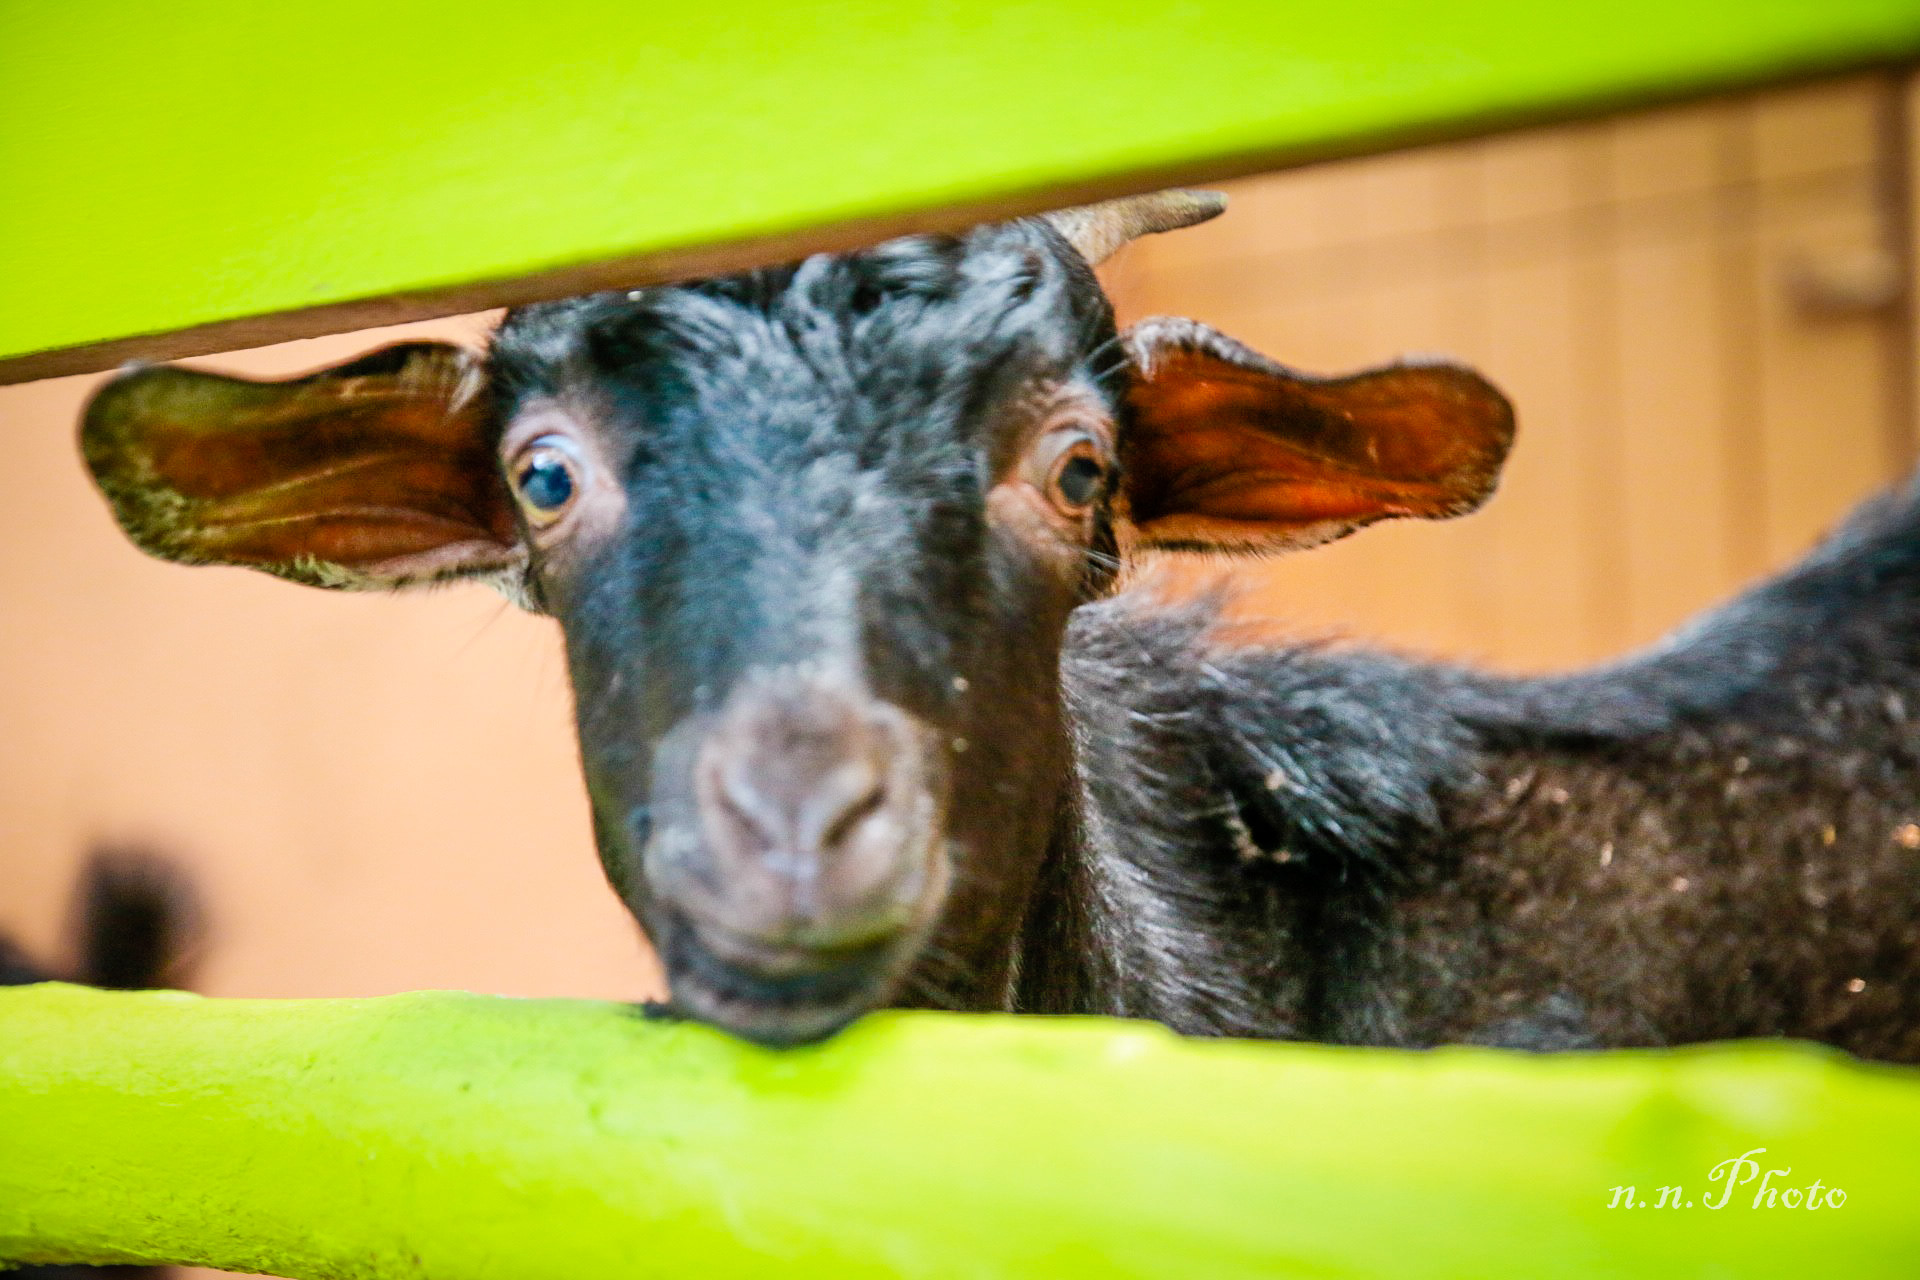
column 1693, row 309
column 1661, row 295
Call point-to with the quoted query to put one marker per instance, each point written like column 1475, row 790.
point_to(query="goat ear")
column 376, row 473
column 1225, row 450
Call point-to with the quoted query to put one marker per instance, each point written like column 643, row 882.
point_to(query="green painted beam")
column 202, row 174
column 478, row 1138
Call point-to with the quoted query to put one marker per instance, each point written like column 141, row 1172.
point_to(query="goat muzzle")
column 810, row 861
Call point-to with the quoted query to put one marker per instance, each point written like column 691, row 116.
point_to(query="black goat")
column 838, row 550
column 133, row 925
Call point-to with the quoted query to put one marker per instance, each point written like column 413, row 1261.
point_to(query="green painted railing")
column 474, row 1138
column 247, row 172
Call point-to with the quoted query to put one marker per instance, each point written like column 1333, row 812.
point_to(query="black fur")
column 1713, row 839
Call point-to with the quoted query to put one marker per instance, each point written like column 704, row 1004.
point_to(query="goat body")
column 1718, row 838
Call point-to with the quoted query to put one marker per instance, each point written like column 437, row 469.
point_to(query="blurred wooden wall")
column 1698, row 312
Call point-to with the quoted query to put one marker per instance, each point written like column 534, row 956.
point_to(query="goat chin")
column 807, row 997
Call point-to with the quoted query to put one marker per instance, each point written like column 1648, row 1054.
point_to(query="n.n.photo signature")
column 1772, row 1189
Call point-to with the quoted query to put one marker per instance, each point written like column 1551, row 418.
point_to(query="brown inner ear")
column 374, row 473
column 1223, row 452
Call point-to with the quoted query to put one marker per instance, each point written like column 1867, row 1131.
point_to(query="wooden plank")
column 1672, row 420
column 195, row 176
column 1827, row 402
column 1668, row 174
column 1737, row 258
column 1905, row 147
column 1549, row 569
column 1599, row 376
column 1816, row 129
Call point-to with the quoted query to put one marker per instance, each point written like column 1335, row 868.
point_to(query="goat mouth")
column 782, row 999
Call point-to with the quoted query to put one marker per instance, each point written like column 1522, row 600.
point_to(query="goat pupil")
column 1079, row 480
column 546, row 483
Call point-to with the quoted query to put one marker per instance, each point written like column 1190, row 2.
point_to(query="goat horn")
column 1098, row 230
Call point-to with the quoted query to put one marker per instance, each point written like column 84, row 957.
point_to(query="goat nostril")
column 839, row 828
column 777, row 806
column 743, row 802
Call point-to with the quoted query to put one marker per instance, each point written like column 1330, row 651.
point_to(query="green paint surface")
column 479, row 1138
column 170, row 165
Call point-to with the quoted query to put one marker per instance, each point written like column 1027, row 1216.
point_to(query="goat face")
column 813, row 534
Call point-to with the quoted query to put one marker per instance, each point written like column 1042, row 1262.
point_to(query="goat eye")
column 1079, row 480
column 545, row 475
column 1077, row 476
